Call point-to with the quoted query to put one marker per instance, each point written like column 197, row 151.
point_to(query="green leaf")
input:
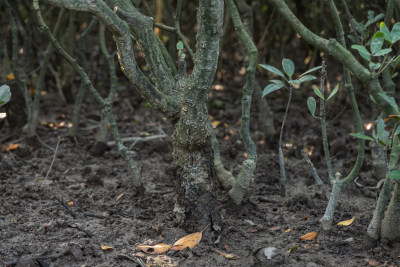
column 394, row 174
column 279, row 82
column 307, row 78
column 386, row 33
column 272, row 69
column 376, row 42
column 271, row 88
column 397, row 132
column 309, row 71
column 311, row 104
column 362, row 136
column 333, row 92
column 362, row 51
column 298, row 82
column 5, row 94
column 382, row 52
column 374, row 66
column 395, row 33
column 372, row 19
column 179, row 45
column 372, row 99
column 318, row 92
column 390, row 100
column 288, row 67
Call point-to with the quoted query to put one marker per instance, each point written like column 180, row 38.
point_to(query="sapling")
column 288, row 83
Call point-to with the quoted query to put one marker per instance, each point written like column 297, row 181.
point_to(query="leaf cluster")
column 288, row 68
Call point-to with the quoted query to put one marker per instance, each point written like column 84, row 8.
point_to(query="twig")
column 136, row 139
column 95, row 215
column 54, row 157
column 44, row 144
column 73, row 214
column 336, row 243
column 378, row 185
column 313, row 170
column 138, row 260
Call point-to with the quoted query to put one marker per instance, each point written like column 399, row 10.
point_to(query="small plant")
column 5, row 94
column 377, row 50
column 289, row 84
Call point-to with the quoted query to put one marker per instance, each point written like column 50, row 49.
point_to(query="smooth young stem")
column 322, row 114
column 73, row 131
column 245, row 176
column 281, row 157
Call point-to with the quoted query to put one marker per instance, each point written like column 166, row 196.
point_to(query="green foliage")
column 362, row 28
column 362, row 51
column 179, row 45
column 395, row 175
column 312, row 104
column 288, row 67
column 333, row 92
column 390, row 100
column 5, row 94
column 318, row 92
column 272, row 87
column 377, row 42
column 376, row 47
column 273, row 70
column 362, row 136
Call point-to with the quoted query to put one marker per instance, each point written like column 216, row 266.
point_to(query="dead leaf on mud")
column 156, row 249
column 11, row 77
column 347, row 222
column 228, row 256
column 10, row 147
column 188, row 241
column 309, row 236
column 120, row 196
column 374, row 263
column 103, row 247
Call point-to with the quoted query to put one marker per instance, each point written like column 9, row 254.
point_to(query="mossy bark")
column 390, row 228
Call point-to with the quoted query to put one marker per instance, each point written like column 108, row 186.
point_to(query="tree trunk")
column 196, row 180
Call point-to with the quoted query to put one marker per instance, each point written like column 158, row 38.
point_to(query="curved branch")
column 163, row 103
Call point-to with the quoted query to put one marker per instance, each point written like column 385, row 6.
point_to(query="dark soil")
column 39, row 228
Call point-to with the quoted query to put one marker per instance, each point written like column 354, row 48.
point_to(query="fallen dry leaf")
column 156, row 249
column 103, row 247
column 11, row 76
column 188, row 241
column 374, row 263
column 120, row 196
column 70, row 203
column 309, row 236
column 12, row 147
column 347, row 222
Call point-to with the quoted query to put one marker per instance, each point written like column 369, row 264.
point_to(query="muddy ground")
column 39, row 228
